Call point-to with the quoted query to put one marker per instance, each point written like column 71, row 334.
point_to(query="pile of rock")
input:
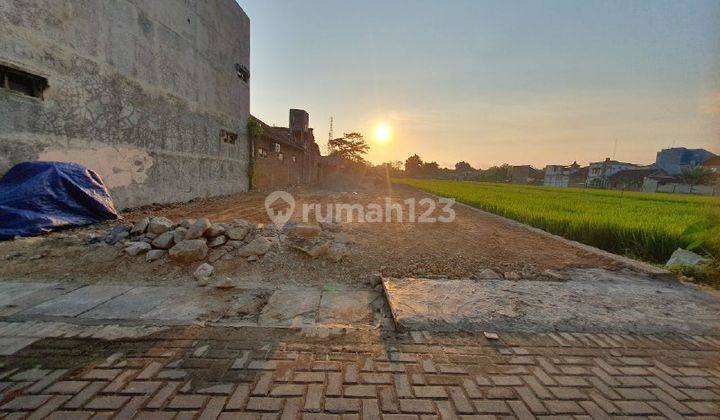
column 193, row 241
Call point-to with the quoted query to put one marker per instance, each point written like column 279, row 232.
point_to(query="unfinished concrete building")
column 152, row 95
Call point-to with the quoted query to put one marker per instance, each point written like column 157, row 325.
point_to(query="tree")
column 413, row 165
column 463, row 166
column 351, row 146
column 694, row 175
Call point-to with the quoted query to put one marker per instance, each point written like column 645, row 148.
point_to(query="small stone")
column 164, row 240
column 204, row 270
column 554, row 275
column 237, row 233
column 252, row 258
column 198, row 228
column 155, row 254
column 235, row 244
column 118, row 233
column 179, row 234
column 189, row 250
column 214, row 231
column 216, row 254
column 140, row 227
column 487, row 274
column 136, row 248
column 491, row 335
column 158, row 225
column 512, row 275
column 257, row 246
column 331, row 226
column 203, row 281
column 217, row 241
column 375, row 278
column 682, row 257
column 224, row 284
column 343, row 238
column 187, row 223
column 337, row 251
column 306, row 230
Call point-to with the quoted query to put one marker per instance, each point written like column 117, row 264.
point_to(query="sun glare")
column 382, row 133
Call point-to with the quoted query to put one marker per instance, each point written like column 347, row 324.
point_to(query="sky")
column 492, row 82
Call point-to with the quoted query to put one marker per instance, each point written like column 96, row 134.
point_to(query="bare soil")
column 460, row 249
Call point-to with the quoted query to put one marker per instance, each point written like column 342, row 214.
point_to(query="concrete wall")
column 139, row 91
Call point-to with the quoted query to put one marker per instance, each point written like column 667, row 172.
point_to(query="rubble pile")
column 201, row 241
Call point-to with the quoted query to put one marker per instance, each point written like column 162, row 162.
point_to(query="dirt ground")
column 460, row 249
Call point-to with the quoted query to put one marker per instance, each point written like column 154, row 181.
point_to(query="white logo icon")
column 280, row 206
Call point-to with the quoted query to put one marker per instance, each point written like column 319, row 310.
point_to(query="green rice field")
column 646, row 226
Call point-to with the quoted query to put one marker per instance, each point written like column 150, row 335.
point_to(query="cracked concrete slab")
column 291, row 308
column 346, row 307
column 78, row 301
column 593, row 300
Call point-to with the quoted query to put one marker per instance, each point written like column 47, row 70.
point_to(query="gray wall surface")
column 138, row 91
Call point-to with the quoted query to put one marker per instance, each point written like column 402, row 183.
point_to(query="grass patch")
column 646, row 226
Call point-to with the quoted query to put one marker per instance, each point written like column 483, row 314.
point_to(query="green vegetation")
column 647, row 226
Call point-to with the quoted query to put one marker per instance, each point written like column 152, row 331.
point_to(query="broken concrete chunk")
column 306, row 230
column 118, row 233
column 204, row 270
column 315, row 250
column 331, row 226
column 217, row 241
column 224, row 284
column 257, row 246
column 136, row 248
column 189, row 250
column 214, row 231
column 155, row 254
column 683, row 257
column 164, row 240
column 512, row 275
column 198, row 228
column 487, row 274
column 216, row 254
column 237, row 233
column 158, row 225
column 491, row 335
column 140, row 227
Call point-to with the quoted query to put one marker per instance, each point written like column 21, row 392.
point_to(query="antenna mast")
column 330, row 134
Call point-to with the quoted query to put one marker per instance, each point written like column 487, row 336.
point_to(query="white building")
column 599, row 172
column 564, row 176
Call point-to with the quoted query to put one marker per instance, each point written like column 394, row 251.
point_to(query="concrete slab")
column 291, row 308
column 11, row 345
column 36, row 296
column 11, row 292
column 594, row 300
column 346, row 307
column 185, row 307
column 78, row 301
column 135, row 303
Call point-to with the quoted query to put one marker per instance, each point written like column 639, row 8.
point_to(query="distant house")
column 712, row 164
column 565, row 175
column 600, row 172
column 286, row 156
column 526, row 174
column 675, row 159
column 633, row 179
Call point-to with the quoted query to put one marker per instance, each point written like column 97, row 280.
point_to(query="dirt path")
column 460, row 249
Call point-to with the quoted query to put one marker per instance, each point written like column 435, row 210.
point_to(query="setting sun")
column 382, row 133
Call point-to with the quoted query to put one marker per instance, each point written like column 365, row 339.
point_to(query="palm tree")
column 694, row 175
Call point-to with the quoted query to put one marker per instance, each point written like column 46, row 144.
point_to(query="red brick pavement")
column 211, row 373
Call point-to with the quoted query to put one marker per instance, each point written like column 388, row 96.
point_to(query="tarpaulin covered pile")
column 39, row 197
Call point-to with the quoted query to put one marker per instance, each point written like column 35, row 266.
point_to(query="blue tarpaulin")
column 39, row 197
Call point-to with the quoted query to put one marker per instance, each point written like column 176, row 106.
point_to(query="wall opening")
column 22, row 82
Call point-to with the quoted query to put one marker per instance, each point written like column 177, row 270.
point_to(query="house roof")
column 277, row 134
column 713, row 161
column 635, row 174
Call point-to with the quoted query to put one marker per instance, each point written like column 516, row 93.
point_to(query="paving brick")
column 531, row 400
column 313, row 399
column 288, row 390
column 309, row 377
column 504, row 380
column 130, row 409
column 429, row 392
column 162, row 395
column 462, row 404
column 25, row 402
column 388, row 401
column 238, row 398
column 342, row 405
column 107, row 402
column 375, row 378
column 88, row 392
column 102, row 374
column 184, row 402
column 491, row 407
column 594, row 410
column 291, row 408
column 635, row 394
column 265, row 404
column 370, row 409
column 416, row 406
column 564, row 407
column 66, row 387
column 362, row 391
column 635, row 408
column 334, row 384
